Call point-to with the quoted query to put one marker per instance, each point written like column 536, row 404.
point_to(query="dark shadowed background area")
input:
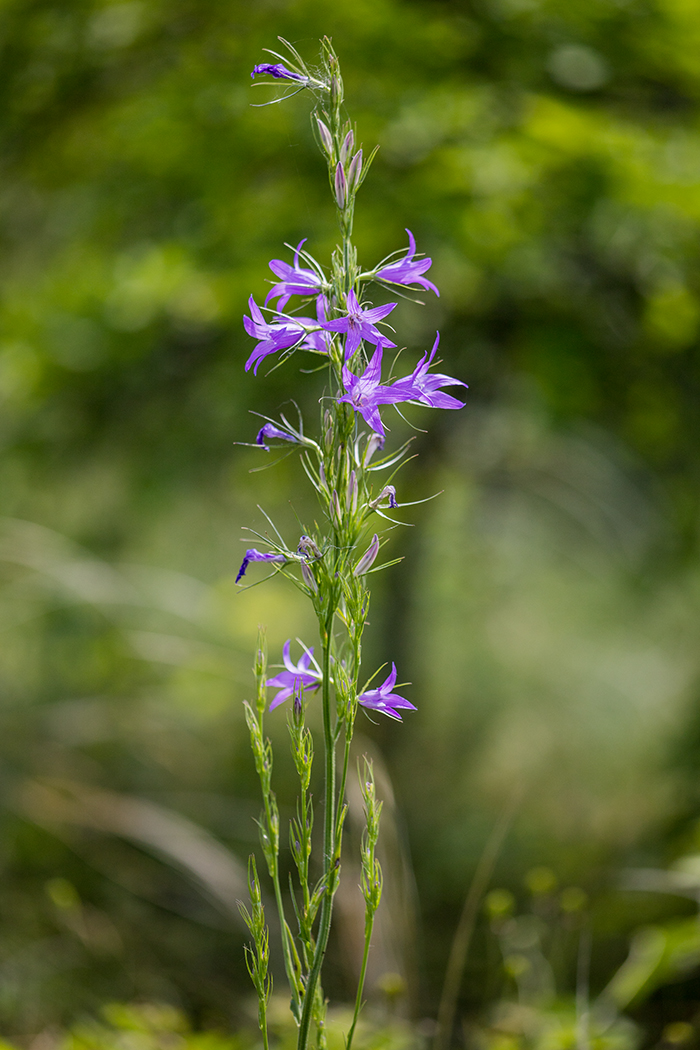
column 546, row 155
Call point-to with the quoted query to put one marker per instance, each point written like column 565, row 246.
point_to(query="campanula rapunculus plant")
column 331, row 563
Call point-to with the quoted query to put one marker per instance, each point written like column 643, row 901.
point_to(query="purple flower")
column 386, row 498
column 359, row 324
column 282, row 334
column 279, row 72
column 408, row 270
column 384, row 700
column 424, row 386
column 295, row 676
column 294, row 280
column 253, row 555
column 271, row 431
column 366, row 394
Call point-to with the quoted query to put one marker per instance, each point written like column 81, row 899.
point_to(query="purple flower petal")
column 359, row 324
column 423, row 386
column 294, row 280
column 253, row 555
column 294, row 677
column 408, row 270
column 384, row 701
column 268, row 431
column 366, row 394
column 279, row 72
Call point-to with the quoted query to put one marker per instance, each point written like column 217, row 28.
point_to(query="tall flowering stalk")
column 330, row 564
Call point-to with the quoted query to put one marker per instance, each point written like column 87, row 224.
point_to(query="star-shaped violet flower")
column 408, row 270
column 383, row 700
column 424, row 386
column 293, row 280
column 279, row 72
column 295, row 676
column 359, row 324
column 365, row 393
column 281, row 334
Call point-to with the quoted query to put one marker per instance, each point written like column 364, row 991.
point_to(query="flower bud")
column 355, row 170
column 368, row 558
column 346, row 147
column 328, row 428
column 336, row 513
column 351, row 494
column 341, row 186
column 375, row 441
column 336, row 89
column 308, row 577
column 325, row 137
column 298, row 708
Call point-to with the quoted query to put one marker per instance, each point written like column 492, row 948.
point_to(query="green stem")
column 286, row 950
column 369, row 924
column 324, row 924
column 263, row 1026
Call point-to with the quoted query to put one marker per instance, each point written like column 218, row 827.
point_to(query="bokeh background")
column 546, row 154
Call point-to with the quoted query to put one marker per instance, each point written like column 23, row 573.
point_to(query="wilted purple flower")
column 268, row 431
column 408, row 270
column 359, row 324
column 424, row 386
column 366, row 394
column 295, row 676
column 368, row 558
column 386, row 497
column 383, row 700
column 308, row 548
column 253, row 555
column 282, row 334
column 279, row 72
column 294, row 280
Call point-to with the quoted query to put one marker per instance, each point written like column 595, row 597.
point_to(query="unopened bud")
column 341, row 186
column 336, row 89
column 351, row 495
column 298, row 709
column 346, row 147
column 328, row 428
column 368, row 558
column 375, row 441
column 355, row 170
column 308, row 577
column 336, row 513
column 325, row 136
column 322, row 477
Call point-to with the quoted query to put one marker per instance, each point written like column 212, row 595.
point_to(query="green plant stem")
column 369, row 925
column 324, row 924
column 263, row 1025
column 284, row 930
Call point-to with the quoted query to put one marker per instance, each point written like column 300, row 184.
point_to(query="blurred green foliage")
column 545, row 153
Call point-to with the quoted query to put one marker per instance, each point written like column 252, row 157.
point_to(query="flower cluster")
column 357, row 323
